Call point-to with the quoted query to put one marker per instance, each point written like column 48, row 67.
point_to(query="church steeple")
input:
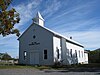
column 38, row 19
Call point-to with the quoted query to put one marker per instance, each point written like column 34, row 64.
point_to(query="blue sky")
column 77, row 18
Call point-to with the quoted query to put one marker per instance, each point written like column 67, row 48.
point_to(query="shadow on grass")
column 75, row 70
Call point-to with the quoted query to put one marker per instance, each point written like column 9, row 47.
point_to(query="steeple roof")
column 38, row 15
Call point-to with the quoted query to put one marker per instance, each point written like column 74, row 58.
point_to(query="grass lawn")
column 23, row 67
column 49, row 67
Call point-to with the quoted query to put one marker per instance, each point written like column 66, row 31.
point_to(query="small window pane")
column 45, row 51
column 45, row 56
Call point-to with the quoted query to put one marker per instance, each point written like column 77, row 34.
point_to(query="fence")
column 8, row 62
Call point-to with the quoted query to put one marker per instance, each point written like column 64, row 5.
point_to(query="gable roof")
column 56, row 34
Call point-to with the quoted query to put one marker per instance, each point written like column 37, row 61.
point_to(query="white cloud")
column 27, row 11
column 9, row 41
column 51, row 7
column 90, row 39
column 82, row 24
column 77, row 9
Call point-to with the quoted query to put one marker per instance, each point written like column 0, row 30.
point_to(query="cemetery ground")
column 90, row 69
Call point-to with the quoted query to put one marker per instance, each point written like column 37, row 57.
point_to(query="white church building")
column 39, row 45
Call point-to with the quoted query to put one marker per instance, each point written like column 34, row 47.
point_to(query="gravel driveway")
column 31, row 71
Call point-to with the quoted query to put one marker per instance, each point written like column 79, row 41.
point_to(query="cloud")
column 78, row 9
column 76, row 18
column 74, row 14
column 51, row 7
column 2, row 44
column 90, row 39
column 78, row 25
column 26, row 11
column 9, row 41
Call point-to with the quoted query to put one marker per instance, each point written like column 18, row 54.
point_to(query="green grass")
column 49, row 67
column 6, row 66
column 43, row 67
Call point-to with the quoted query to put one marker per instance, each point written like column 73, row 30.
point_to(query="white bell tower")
column 38, row 19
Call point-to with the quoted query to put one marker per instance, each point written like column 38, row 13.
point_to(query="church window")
column 71, row 52
column 82, row 53
column 76, row 53
column 57, row 52
column 45, row 54
column 25, row 55
column 79, row 53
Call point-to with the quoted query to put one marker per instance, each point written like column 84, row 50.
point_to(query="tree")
column 8, row 18
column 94, row 56
column 6, row 57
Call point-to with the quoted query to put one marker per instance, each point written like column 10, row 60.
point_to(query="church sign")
column 34, row 43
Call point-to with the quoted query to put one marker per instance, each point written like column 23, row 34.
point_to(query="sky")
column 79, row 19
